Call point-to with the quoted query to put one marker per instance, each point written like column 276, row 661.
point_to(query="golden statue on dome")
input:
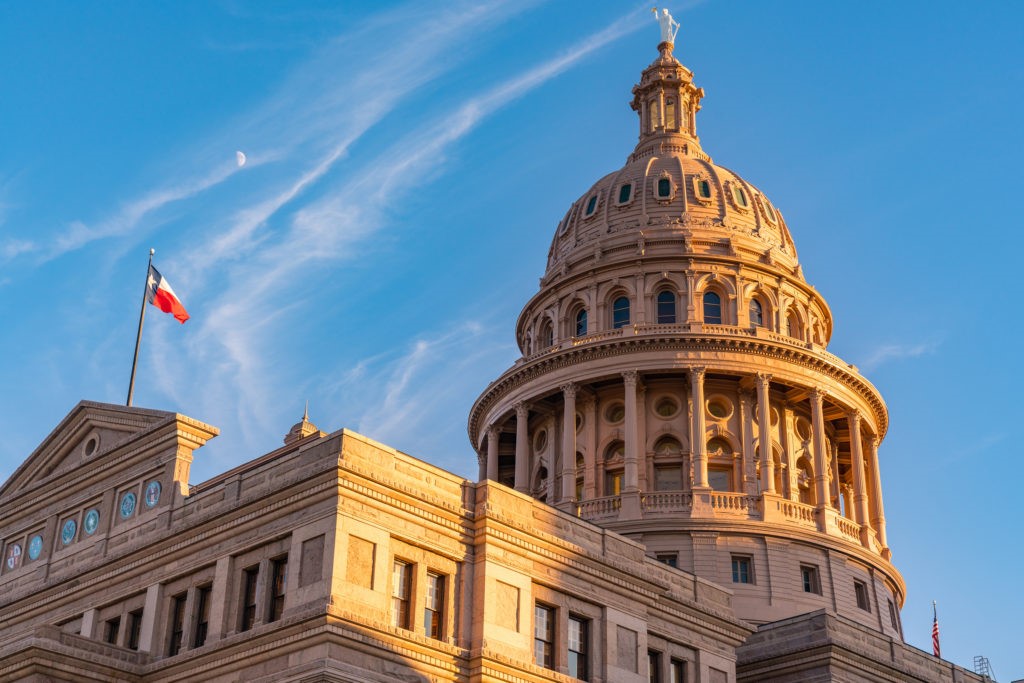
column 669, row 26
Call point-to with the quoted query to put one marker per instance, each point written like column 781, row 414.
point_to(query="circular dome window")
column 92, row 444
column 541, row 440
column 615, row 413
column 666, row 407
column 719, row 407
column 803, row 428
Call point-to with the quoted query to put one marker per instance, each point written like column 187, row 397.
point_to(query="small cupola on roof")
column 667, row 103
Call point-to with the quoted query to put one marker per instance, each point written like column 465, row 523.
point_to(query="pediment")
column 81, row 439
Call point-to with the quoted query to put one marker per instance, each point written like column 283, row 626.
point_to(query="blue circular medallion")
column 35, row 547
column 67, row 532
column 92, row 521
column 127, row 505
column 152, row 493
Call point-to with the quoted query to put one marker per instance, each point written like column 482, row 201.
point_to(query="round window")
column 579, row 422
column 91, row 446
column 35, row 547
column 92, row 522
column 666, row 406
column 719, row 407
column 616, row 412
column 541, row 440
column 803, row 428
column 128, row 501
column 67, row 532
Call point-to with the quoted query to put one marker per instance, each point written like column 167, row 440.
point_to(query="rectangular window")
column 613, row 483
column 720, row 480
column 544, row 636
column 177, row 624
column 677, row 671
column 860, row 589
column 668, row 478
column 671, row 559
column 433, row 614
column 278, row 581
column 401, row 593
column 134, row 629
column 111, row 630
column 892, row 616
column 742, row 569
column 249, row 577
column 579, row 648
column 809, row 576
column 654, row 666
column 202, row 615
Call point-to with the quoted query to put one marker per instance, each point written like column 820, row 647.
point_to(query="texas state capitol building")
column 678, row 483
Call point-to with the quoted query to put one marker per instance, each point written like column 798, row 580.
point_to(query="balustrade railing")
column 667, row 501
column 734, row 502
column 599, row 508
column 797, row 512
column 848, row 528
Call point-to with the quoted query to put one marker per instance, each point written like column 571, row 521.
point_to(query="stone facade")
column 333, row 558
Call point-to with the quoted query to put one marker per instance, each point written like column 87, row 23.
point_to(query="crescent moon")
column 240, row 158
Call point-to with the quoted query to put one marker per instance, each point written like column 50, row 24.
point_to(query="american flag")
column 935, row 632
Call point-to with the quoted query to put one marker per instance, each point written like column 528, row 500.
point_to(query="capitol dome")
column 675, row 385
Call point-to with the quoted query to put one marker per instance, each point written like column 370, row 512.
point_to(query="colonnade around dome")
column 633, row 455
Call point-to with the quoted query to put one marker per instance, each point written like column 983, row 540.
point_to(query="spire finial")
column 305, row 412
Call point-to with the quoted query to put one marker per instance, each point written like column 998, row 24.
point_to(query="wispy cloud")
column 353, row 206
column 893, row 352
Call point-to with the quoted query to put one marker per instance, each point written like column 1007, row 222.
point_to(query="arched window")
column 792, row 326
column 756, row 313
column 670, row 113
column 720, row 465
column 664, row 188
column 581, row 323
column 620, row 312
column 712, row 308
column 625, row 193
column 666, row 308
column 546, row 337
column 592, row 205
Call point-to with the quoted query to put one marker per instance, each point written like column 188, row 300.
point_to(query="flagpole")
column 138, row 337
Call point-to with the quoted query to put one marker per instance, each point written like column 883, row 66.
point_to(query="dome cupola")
column 675, row 385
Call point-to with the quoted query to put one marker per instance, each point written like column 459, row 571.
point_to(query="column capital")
column 493, row 431
column 853, row 415
column 818, row 394
column 570, row 389
column 697, row 372
column 522, row 410
column 763, row 378
column 630, row 377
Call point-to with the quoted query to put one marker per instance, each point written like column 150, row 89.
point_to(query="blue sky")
column 407, row 165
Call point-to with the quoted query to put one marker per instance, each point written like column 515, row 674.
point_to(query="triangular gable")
column 85, row 434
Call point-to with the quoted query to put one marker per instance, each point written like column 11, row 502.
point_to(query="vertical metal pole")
column 138, row 337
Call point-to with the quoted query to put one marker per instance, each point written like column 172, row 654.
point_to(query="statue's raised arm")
column 669, row 26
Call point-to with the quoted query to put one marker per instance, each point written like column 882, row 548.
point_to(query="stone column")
column 630, row 474
column 568, row 442
column 747, row 444
column 522, row 448
column 764, row 433
column 493, row 438
column 700, row 458
column 590, row 447
column 878, row 522
column 820, row 462
column 860, row 493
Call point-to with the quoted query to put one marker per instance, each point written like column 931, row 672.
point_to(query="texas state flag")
column 160, row 294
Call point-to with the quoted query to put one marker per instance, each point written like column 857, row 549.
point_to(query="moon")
column 240, row 158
